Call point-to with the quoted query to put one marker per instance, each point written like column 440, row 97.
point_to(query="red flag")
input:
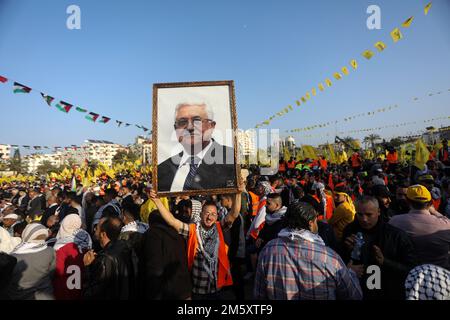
column 3, row 79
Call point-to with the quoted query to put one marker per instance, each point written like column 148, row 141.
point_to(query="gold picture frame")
column 155, row 136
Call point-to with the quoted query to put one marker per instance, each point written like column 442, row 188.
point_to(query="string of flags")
column 72, row 147
column 356, row 116
column 396, row 125
column 347, row 119
column 67, row 107
column 368, row 54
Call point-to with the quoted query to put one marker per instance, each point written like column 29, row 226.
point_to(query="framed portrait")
column 194, row 141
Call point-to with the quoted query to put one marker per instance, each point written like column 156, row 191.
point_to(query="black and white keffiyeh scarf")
column 428, row 282
column 209, row 246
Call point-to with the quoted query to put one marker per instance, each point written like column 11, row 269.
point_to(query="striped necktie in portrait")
column 193, row 163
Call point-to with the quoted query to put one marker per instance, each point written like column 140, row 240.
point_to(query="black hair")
column 228, row 195
column 131, row 209
column 19, row 227
column 73, row 197
column 419, row 205
column 209, row 203
column 274, row 196
column 111, row 192
column 299, row 215
column 184, row 204
column 112, row 227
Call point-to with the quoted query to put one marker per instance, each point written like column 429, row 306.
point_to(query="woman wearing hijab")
column 71, row 244
column 32, row 276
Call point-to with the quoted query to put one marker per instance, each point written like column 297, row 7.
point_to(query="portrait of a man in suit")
column 203, row 163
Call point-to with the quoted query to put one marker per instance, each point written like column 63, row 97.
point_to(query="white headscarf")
column 7, row 243
column 70, row 231
column 30, row 242
column 69, row 225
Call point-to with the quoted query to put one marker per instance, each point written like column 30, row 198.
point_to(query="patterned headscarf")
column 267, row 187
column 428, row 282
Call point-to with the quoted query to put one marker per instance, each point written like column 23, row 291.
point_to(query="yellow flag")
column 313, row 91
column 297, row 102
column 309, row 152
column 328, row 82
column 345, row 71
column 427, row 8
column 396, row 34
column 321, row 88
column 307, row 96
column 367, row 54
column 407, row 22
column 267, row 122
column 303, row 99
column 422, row 154
column 380, row 46
column 299, row 156
column 354, row 64
column 337, row 76
column 286, row 154
column 290, row 107
column 331, row 154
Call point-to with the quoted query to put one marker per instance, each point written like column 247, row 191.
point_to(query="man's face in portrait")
column 193, row 127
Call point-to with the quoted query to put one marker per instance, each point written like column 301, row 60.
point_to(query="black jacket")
column 217, row 170
column 47, row 214
column 127, row 201
column 110, row 276
column 326, row 232
column 164, row 270
column 7, row 264
column 270, row 231
column 399, row 258
column 34, row 207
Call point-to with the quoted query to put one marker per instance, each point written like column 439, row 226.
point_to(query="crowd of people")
column 362, row 229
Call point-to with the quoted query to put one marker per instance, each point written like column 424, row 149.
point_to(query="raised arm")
column 236, row 207
column 165, row 213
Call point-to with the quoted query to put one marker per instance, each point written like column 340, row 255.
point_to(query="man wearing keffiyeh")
column 298, row 260
column 206, row 248
column 32, row 276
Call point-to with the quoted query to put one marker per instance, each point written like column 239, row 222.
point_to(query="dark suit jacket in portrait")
column 217, row 170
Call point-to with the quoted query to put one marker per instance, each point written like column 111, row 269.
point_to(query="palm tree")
column 372, row 139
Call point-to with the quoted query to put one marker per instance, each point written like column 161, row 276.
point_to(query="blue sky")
column 275, row 51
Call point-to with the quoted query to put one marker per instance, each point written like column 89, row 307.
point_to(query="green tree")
column 45, row 168
column 396, row 142
column 15, row 163
column 123, row 156
column 372, row 140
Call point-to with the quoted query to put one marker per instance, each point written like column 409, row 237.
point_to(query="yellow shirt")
column 342, row 216
column 149, row 206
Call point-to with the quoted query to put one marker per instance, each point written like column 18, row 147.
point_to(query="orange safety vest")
column 432, row 155
column 392, row 158
column 255, row 203
column 318, row 201
column 291, row 164
column 356, row 161
column 323, row 164
column 282, row 167
column 329, row 207
column 443, row 155
column 223, row 273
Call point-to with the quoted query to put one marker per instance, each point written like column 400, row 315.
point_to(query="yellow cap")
column 418, row 193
